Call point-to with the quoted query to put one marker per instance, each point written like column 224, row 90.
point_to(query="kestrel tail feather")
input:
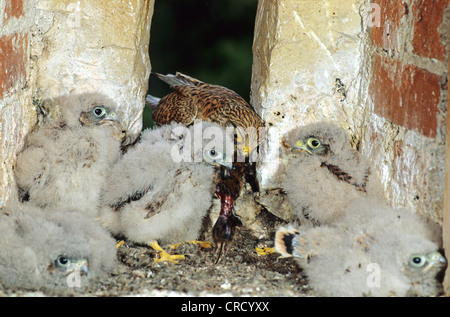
column 176, row 80
column 152, row 102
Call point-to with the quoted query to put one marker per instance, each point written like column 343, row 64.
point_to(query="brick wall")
column 408, row 94
column 13, row 51
column 404, row 89
column 16, row 114
column 13, row 8
column 407, row 63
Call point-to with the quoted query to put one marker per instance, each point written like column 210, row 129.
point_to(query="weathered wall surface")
column 98, row 45
column 17, row 83
column 446, row 224
column 359, row 64
column 406, row 94
column 306, row 67
column 408, row 97
column 391, row 59
column 50, row 48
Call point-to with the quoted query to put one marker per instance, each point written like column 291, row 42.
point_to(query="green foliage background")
column 209, row 40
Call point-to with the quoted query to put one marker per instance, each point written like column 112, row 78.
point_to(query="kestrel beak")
column 246, row 151
column 112, row 117
column 300, row 146
column 434, row 258
column 81, row 265
column 242, row 150
column 228, row 165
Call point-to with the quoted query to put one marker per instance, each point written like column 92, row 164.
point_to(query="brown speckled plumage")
column 199, row 100
column 195, row 100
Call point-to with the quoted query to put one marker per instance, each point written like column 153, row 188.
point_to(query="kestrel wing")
column 176, row 107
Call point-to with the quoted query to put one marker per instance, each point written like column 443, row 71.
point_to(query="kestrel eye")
column 62, row 261
column 214, row 154
column 417, row 261
column 314, row 143
column 99, row 111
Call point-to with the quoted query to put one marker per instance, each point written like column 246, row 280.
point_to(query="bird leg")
column 223, row 230
column 163, row 256
column 265, row 250
column 119, row 244
column 202, row 244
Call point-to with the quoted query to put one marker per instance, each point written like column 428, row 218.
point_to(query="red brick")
column 386, row 35
column 428, row 15
column 14, row 8
column 406, row 95
column 13, row 57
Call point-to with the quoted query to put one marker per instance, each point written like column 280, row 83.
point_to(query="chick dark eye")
column 212, row 152
column 62, row 260
column 417, row 261
column 314, row 143
column 99, row 111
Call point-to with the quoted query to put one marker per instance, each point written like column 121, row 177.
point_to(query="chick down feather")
column 323, row 173
column 373, row 250
column 162, row 188
column 66, row 160
column 55, row 250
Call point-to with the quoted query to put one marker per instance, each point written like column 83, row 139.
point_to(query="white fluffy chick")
column 56, row 250
column 373, row 250
column 66, row 159
column 163, row 187
column 324, row 174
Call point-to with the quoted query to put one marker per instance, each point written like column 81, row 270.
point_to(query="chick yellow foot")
column 265, row 251
column 163, row 256
column 201, row 244
column 119, row 244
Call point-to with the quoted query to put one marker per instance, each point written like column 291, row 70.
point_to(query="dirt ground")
column 240, row 271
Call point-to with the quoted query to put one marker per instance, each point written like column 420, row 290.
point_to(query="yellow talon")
column 120, row 243
column 205, row 244
column 202, row 244
column 265, row 251
column 163, row 256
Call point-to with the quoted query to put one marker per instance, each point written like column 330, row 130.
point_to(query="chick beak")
column 115, row 118
column 300, row 146
column 434, row 259
column 82, row 266
column 228, row 165
column 121, row 133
